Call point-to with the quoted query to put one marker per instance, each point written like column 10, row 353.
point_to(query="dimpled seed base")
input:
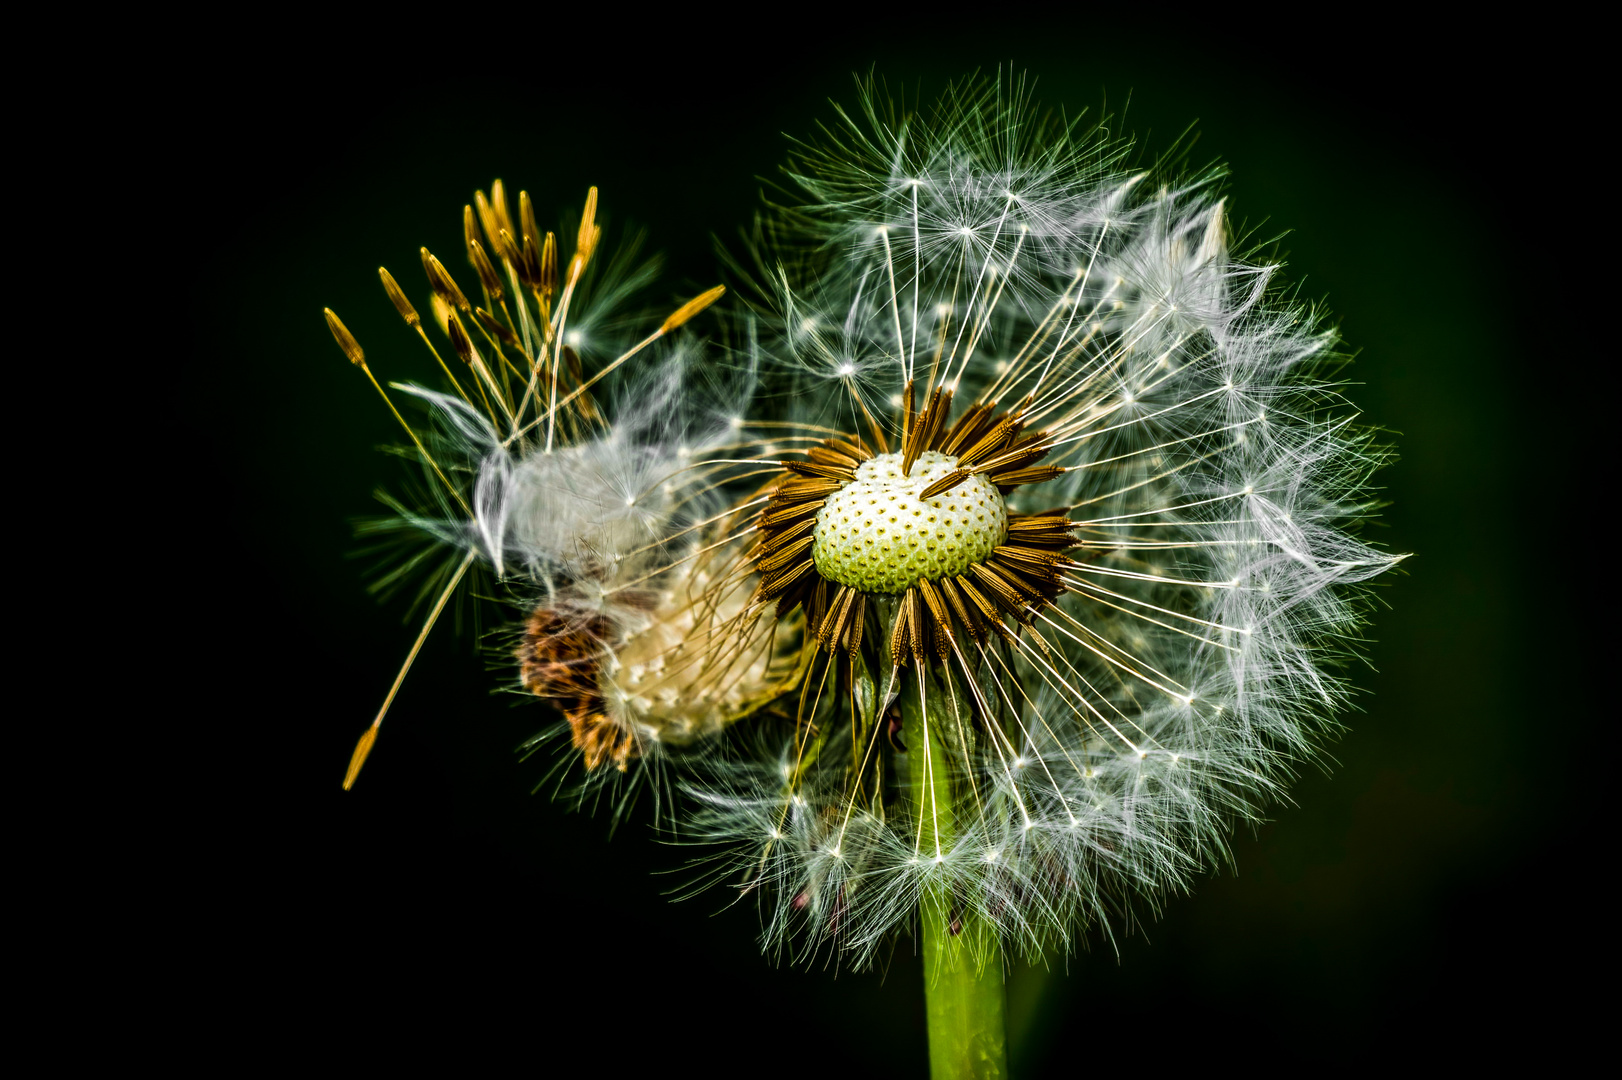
column 875, row 535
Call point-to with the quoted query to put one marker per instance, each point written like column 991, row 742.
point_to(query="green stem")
column 963, row 969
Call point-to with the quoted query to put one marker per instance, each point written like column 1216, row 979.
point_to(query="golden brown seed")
column 469, row 231
column 549, row 266
column 692, row 307
column 346, row 340
column 397, row 297
column 585, row 239
column 496, row 330
column 443, row 284
column 486, row 271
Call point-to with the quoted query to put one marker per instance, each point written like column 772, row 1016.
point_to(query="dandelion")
column 585, row 487
column 1027, row 572
column 1072, row 546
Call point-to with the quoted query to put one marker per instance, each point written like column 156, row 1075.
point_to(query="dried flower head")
column 1068, row 526
column 581, row 483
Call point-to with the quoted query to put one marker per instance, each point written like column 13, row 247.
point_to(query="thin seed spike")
column 777, row 539
column 917, row 439
column 770, row 588
column 496, row 330
column 795, row 595
column 443, row 284
column 549, row 269
column 504, row 218
column 510, row 251
column 853, row 640
column 945, row 483
column 1001, row 591
column 779, row 559
column 526, row 216
column 826, row 455
column 364, row 746
column 585, row 238
column 798, row 491
column 487, row 216
column 833, row 624
column 1038, row 474
column 1024, row 451
column 811, row 468
column 529, row 264
column 899, row 635
column 937, row 420
column 944, row 640
column 954, row 598
column 965, row 427
column 854, row 448
column 987, row 609
column 461, row 342
column 356, row 760
column 917, row 628
column 442, row 313
column 906, row 412
column 397, row 297
column 817, row 610
column 486, row 271
column 469, row 231
column 1041, row 562
column 781, row 516
column 1039, row 523
column 346, row 340
column 697, row 304
column 993, row 440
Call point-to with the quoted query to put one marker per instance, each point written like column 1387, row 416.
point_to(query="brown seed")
column 496, row 330
column 526, row 216
column 692, row 307
column 549, row 266
column 346, row 340
column 487, row 272
column 586, row 238
column 469, row 231
column 397, row 297
column 443, row 284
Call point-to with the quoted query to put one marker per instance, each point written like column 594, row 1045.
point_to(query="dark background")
column 1409, row 896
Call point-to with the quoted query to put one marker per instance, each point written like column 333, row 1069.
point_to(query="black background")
column 1416, row 895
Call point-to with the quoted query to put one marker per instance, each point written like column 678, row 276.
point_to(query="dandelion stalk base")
column 963, row 968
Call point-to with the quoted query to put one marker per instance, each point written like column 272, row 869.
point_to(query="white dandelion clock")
column 1075, row 553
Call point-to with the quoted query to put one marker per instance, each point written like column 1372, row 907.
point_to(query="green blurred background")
column 1388, row 903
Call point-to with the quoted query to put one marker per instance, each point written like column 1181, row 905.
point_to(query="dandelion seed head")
column 1028, row 264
